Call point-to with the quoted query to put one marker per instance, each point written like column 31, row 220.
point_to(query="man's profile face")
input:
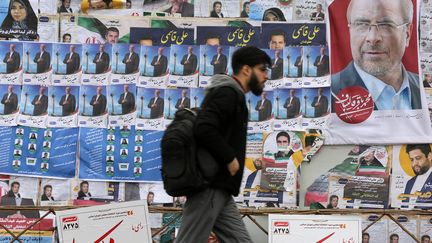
column 213, row 41
column 365, row 239
column 282, row 142
column 15, row 188
column 112, row 37
column 378, row 51
column 277, row 42
column 257, row 77
column 420, row 162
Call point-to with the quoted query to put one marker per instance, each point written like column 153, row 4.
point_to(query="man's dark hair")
column 47, row 186
column 278, row 32
column 394, row 235
column 113, row 29
column 215, row 3
column 366, row 234
column 283, row 134
column 425, row 237
column 424, row 148
column 244, row 4
column 15, row 183
column 67, row 34
column 309, row 140
column 150, row 193
column 250, row 56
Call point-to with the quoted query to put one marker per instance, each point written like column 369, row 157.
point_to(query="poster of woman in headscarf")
column 18, row 19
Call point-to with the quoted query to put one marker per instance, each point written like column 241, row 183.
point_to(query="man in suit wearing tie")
column 292, row 105
column 156, row 105
column 65, row 7
column 12, row 60
column 320, row 103
column 10, row 101
column 322, row 63
column 68, row 102
column 219, row 62
column 299, row 64
column 101, row 60
column 127, row 100
column 43, row 60
column 131, row 59
column 72, row 60
column 183, row 102
column 40, row 103
column 159, row 63
column 98, row 102
column 277, row 66
column 264, row 107
column 189, row 62
column 318, row 15
column 217, row 10
column 13, row 198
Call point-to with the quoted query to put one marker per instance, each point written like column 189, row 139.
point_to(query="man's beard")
column 254, row 85
column 423, row 169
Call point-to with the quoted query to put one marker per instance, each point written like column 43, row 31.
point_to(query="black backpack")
column 186, row 167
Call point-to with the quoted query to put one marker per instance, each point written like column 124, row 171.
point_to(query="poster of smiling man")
column 184, row 65
column 213, row 60
column 37, row 63
column 375, row 82
column 150, row 108
column 125, row 61
column 154, row 72
column 66, row 63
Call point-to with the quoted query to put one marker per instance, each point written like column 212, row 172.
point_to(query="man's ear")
column 408, row 34
column 246, row 70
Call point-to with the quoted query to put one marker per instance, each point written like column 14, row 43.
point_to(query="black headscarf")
column 30, row 21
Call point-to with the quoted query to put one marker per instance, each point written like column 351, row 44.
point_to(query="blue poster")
column 38, row 152
column 229, row 36
column 162, row 36
column 292, row 35
column 120, row 154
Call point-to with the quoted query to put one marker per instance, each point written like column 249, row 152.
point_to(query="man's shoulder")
column 346, row 78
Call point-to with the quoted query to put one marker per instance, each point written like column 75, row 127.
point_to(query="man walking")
column 221, row 128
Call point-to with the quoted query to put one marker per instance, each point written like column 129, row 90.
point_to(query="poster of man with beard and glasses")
column 375, row 85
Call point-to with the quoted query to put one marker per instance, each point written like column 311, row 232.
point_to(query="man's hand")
column 233, row 166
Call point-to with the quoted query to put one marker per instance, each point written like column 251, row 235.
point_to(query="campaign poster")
column 122, row 222
column 176, row 99
column 40, row 233
column 54, row 192
column 307, row 10
column 271, row 10
column 175, row 9
column 213, row 60
column 316, row 107
column 363, row 97
column 121, row 104
column 99, row 29
column 48, row 28
column 397, row 234
column 162, row 36
column 150, row 108
column 123, row 154
column 425, row 29
column 66, row 63
column 31, row 151
column 425, row 229
column 218, row 9
column 184, row 66
column 261, row 111
column 67, row 30
column 63, row 111
column 67, row 7
column 411, row 176
column 19, row 191
column 89, row 193
column 293, row 66
column 228, row 35
column 270, row 175
column 37, row 67
column 316, row 66
column 96, row 62
column 288, row 113
column 34, row 105
column 377, row 233
column 93, row 110
column 154, row 72
column 22, row 26
column 314, row 228
column 279, row 35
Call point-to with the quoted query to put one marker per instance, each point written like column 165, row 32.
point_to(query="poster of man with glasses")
column 375, row 72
